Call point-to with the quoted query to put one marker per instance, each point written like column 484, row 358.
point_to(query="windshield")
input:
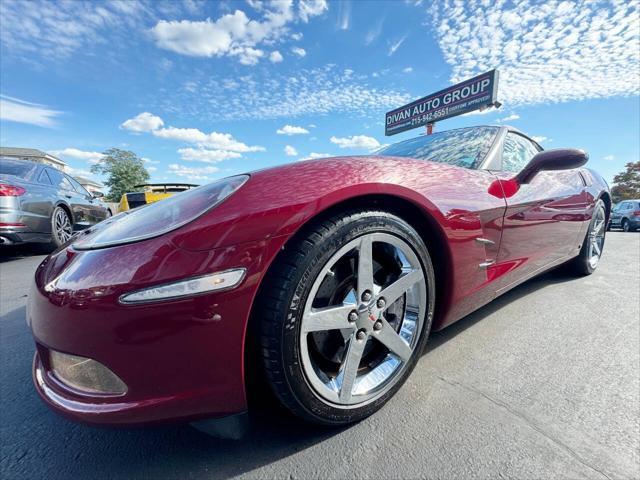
column 464, row 147
column 18, row 168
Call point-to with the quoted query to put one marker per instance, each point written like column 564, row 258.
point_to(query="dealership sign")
column 477, row 93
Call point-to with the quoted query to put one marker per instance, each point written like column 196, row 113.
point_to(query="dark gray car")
column 626, row 215
column 39, row 203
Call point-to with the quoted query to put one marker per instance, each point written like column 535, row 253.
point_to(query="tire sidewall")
column 584, row 254
column 317, row 257
column 55, row 241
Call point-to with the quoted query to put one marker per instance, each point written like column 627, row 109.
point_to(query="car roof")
column 19, row 160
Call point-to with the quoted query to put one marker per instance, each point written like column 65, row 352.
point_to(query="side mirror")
column 558, row 159
column 98, row 194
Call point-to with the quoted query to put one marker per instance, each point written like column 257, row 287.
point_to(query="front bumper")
column 180, row 359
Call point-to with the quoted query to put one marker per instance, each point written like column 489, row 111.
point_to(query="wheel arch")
column 66, row 208
column 606, row 198
column 418, row 217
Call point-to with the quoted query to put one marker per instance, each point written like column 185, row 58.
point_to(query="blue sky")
column 204, row 90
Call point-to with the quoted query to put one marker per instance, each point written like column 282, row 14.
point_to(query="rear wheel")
column 61, row 227
column 346, row 315
column 591, row 252
column 625, row 225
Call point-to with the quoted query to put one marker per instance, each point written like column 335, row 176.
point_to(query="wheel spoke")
column 394, row 291
column 394, row 342
column 365, row 266
column 598, row 227
column 330, row 318
column 596, row 247
column 350, row 367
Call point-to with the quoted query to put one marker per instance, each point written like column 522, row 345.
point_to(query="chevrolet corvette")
column 331, row 272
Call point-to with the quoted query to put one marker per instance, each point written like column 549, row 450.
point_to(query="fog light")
column 185, row 288
column 85, row 374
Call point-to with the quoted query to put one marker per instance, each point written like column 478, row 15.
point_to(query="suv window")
column 516, row 152
column 59, row 180
column 79, row 188
column 44, row 178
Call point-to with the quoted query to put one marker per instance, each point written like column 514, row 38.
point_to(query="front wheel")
column 345, row 316
column 625, row 225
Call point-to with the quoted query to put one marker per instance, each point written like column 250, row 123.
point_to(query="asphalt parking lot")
column 542, row 383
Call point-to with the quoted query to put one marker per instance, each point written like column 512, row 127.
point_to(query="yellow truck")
column 150, row 193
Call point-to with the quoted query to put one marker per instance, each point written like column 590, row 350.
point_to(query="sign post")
column 476, row 93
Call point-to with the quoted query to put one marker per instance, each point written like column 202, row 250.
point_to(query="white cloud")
column 375, row 31
column 314, row 155
column 152, row 169
column 311, row 8
column 268, row 94
column 16, row 110
column 220, row 141
column 361, row 142
column 235, row 34
column 344, row 15
column 608, row 158
column 407, row 70
column 296, row 36
column 396, row 45
column 275, row 57
column 205, row 155
column 299, row 51
column 290, row 151
column 539, row 138
column 91, row 157
column 43, row 31
column 143, row 122
column 545, row 52
column 212, row 147
column 148, row 160
column 292, row 130
column 192, row 173
column 508, row 118
column 147, row 122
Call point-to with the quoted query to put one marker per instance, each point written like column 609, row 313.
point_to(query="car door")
column 69, row 196
column 617, row 213
column 94, row 209
column 544, row 218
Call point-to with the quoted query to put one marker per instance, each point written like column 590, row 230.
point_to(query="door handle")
column 486, row 264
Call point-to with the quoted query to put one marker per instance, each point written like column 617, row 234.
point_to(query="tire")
column 287, row 315
column 61, row 227
column 625, row 225
column 586, row 263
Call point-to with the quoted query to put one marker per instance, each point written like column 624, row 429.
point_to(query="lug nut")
column 381, row 303
column 361, row 335
column 353, row 316
column 377, row 325
column 366, row 296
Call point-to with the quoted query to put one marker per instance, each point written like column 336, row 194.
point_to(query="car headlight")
column 161, row 217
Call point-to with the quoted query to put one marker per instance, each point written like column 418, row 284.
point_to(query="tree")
column 626, row 185
column 124, row 170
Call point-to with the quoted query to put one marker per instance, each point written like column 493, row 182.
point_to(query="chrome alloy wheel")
column 62, row 225
column 362, row 320
column 596, row 236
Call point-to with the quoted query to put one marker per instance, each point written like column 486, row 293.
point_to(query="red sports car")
column 333, row 272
